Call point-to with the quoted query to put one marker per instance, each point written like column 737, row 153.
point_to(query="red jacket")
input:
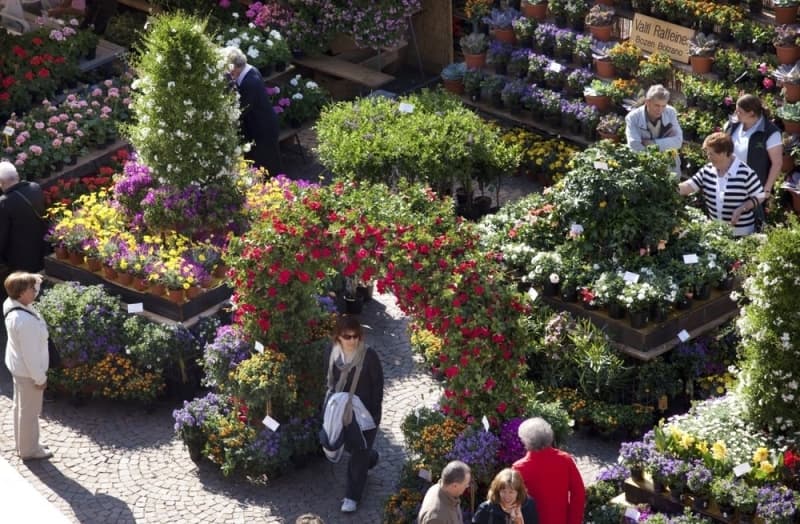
column 555, row 484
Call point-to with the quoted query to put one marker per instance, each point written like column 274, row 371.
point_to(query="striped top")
column 723, row 194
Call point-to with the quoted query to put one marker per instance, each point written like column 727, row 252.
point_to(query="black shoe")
column 374, row 457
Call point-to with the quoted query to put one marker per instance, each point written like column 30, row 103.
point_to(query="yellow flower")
column 603, row 204
column 760, row 455
column 687, row 441
column 766, row 467
column 702, row 446
column 719, row 451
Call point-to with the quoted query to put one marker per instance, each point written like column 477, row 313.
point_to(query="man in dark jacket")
column 258, row 120
column 22, row 226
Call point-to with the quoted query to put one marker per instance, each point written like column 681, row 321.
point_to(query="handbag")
column 54, row 357
column 759, row 215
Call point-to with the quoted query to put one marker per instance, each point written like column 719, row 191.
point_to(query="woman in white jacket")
column 27, row 360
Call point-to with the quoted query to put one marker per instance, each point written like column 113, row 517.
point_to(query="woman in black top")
column 508, row 502
column 347, row 359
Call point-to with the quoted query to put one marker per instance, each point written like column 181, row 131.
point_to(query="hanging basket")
column 701, row 64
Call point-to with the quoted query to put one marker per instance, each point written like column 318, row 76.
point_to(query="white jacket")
column 26, row 350
column 636, row 130
column 332, row 422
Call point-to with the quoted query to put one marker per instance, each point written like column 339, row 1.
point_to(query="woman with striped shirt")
column 731, row 190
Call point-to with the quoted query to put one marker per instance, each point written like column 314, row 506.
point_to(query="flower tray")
column 160, row 305
column 655, row 339
column 85, row 165
column 642, row 492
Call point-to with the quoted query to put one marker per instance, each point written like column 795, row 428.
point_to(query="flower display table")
column 642, row 492
column 655, row 339
column 85, row 165
column 160, row 305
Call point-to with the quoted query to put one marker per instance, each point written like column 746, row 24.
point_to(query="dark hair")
column 348, row 323
column 752, row 104
column 720, row 142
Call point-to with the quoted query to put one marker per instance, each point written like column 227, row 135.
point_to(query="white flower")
column 170, row 84
column 297, row 96
column 293, row 81
column 311, row 85
column 252, row 52
column 554, row 278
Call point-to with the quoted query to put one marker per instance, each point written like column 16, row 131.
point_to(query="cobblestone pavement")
column 116, row 464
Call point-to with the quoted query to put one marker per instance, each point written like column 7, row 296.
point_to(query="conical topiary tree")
column 186, row 116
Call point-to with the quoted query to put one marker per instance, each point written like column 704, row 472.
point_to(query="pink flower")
column 768, row 83
column 763, row 68
column 39, row 125
column 728, row 101
column 36, row 150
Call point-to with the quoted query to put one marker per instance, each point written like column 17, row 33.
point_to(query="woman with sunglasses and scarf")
column 351, row 366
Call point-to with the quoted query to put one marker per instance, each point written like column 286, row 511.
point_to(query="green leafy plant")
column 474, row 43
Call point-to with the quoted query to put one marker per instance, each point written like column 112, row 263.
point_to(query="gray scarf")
column 344, row 370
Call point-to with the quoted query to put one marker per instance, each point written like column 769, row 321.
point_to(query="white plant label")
column 8, row 131
column 599, row 164
column 485, row 422
column 405, row 107
column 271, row 423
column 138, row 307
column 630, row 278
column 690, row 259
column 425, row 474
column 632, row 513
column 683, row 336
column 742, row 469
column 555, row 67
column 259, row 346
column 533, row 294
column 576, row 229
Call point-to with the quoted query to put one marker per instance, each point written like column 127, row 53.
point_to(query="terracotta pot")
column 701, row 64
column 608, row 136
column 125, row 279
column 787, row 164
column 791, row 127
column 109, row 273
column 193, row 292
column 140, row 283
column 535, row 11
column 157, row 290
column 602, row 103
column 94, row 264
column 605, row 68
column 454, row 86
column 601, row 32
column 785, row 15
column 175, row 295
column 75, row 258
column 505, row 35
column 475, row 61
column 791, row 92
column 61, row 253
column 786, row 54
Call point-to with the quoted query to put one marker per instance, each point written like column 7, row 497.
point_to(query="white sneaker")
column 349, row 505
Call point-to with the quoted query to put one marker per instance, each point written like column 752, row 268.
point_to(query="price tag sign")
column 138, row 307
column 271, row 423
column 630, row 278
column 533, row 294
column 8, row 131
column 663, row 403
column 690, row 259
column 632, row 513
column 259, row 346
column 485, row 422
column 425, row 474
column 405, row 107
column 555, row 67
column 599, row 164
column 683, row 336
column 576, row 229
column 742, row 469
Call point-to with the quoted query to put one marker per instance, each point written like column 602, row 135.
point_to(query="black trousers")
column 98, row 13
column 360, row 462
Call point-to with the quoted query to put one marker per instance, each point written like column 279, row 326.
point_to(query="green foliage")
column 769, row 338
column 598, row 365
column 187, row 117
column 148, row 343
column 555, row 414
column 372, row 140
column 598, row 495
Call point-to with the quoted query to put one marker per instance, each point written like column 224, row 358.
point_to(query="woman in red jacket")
column 550, row 475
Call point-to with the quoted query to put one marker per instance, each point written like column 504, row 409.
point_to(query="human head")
column 749, row 109
column 346, row 327
column 235, row 59
column 309, row 518
column 508, row 479
column 18, row 283
column 655, row 100
column 719, row 143
column 8, row 175
column 535, row 434
column 456, row 477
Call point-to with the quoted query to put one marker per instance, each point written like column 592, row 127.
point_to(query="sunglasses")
column 348, row 337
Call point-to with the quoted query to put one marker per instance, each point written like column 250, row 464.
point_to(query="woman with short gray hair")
column 550, row 475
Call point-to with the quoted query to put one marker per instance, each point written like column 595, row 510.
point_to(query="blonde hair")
column 19, row 281
column 508, row 478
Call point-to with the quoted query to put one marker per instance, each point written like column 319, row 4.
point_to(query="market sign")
column 651, row 35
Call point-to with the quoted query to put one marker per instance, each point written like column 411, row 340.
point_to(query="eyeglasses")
column 348, row 337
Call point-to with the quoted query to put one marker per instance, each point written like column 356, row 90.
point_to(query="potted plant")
column 474, row 47
column 701, row 52
column 577, row 80
column 637, row 297
column 600, row 20
column 492, row 87
column 518, row 63
column 534, row 9
column 576, row 12
column 498, row 55
column 598, row 94
column 626, row 57
column 745, row 499
column 544, row 38
column 657, row 69
column 790, row 115
column 722, row 493
column 788, row 77
column 501, row 21
column 611, row 127
column 698, row 481
column 565, row 43
column 473, row 79
column 601, row 53
column 523, row 30
column 512, row 95
column 785, row 42
column 785, row 11
column 545, row 267
column 453, row 77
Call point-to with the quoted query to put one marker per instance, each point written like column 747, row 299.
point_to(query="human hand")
column 737, row 214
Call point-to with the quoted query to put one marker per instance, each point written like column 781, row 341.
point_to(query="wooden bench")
column 339, row 68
